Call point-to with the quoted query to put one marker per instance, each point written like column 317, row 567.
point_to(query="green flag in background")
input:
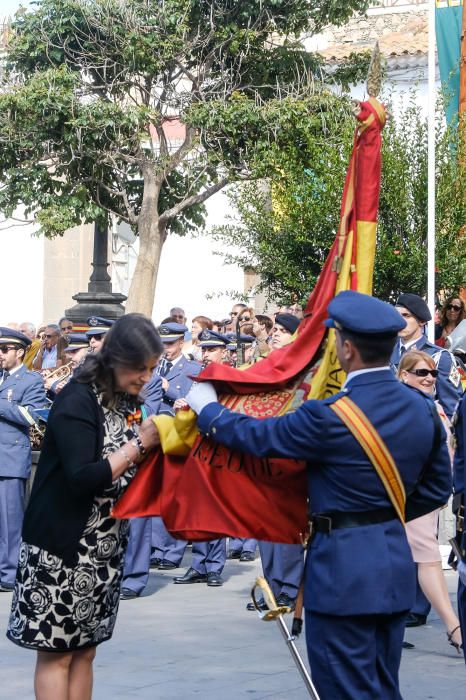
column 448, row 16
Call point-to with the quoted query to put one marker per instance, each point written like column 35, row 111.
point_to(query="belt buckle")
column 328, row 520
column 306, row 537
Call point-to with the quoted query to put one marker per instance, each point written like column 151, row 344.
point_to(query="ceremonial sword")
column 275, row 612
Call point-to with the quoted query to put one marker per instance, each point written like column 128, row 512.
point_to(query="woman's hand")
column 149, row 434
column 180, row 405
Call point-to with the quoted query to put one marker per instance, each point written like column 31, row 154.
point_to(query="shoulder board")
column 331, row 399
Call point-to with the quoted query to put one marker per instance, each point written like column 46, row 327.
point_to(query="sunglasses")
column 453, row 307
column 67, row 328
column 6, row 348
column 48, row 335
column 424, row 372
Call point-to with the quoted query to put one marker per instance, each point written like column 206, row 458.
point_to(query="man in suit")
column 21, row 391
column 359, row 578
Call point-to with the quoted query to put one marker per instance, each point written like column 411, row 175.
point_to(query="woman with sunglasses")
column 417, row 369
column 71, row 558
column 451, row 314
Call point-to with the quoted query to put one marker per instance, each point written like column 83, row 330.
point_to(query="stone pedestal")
column 99, row 300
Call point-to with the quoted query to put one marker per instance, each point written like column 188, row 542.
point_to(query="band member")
column 21, row 391
column 98, row 327
column 356, row 605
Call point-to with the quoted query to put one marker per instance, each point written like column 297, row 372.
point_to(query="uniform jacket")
column 448, row 385
column 459, row 463
column 180, row 383
column 152, row 395
column 23, row 389
column 360, row 570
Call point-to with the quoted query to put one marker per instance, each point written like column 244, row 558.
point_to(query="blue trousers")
column 237, row 544
column 462, row 613
column 12, row 494
column 283, row 567
column 137, row 558
column 164, row 546
column 355, row 657
column 209, row 557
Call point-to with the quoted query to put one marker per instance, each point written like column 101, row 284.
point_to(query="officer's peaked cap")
column 9, row 335
column 98, row 325
column 364, row 315
column 169, row 332
column 212, row 339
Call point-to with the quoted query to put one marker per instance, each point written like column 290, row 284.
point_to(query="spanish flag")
column 201, row 489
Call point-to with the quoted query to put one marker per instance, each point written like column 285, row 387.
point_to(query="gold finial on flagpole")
column 374, row 74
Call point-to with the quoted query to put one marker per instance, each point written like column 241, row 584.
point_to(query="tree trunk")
column 151, row 238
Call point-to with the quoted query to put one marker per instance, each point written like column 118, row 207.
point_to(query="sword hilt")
column 274, row 610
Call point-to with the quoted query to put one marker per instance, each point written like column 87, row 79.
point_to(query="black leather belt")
column 326, row 522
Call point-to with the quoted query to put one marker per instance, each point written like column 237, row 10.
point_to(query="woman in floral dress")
column 71, row 559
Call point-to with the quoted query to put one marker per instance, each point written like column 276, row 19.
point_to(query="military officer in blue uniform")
column 138, row 553
column 416, row 313
column 21, row 391
column 174, row 368
column 459, row 487
column 208, row 558
column 176, row 373
column 98, row 328
column 359, row 578
column 448, row 389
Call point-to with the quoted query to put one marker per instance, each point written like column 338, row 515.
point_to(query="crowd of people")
column 68, row 562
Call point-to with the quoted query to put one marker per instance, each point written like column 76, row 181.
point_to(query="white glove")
column 462, row 572
column 200, row 395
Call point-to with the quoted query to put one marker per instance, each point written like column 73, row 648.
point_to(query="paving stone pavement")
column 193, row 641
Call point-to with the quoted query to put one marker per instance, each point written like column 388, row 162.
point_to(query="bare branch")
column 191, row 201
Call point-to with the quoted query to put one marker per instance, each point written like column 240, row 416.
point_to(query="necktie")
column 6, row 374
column 166, row 368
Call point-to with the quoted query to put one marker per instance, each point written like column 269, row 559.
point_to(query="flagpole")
column 431, row 171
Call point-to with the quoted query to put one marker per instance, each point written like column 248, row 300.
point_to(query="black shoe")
column 127, row 594
column 407, row 645
column 234, row 554
column 247, row 556
column 6, row 587
column 155, row 563
column 284, row 600
column 415, row 620
column 191, row 576
column 214, row 579
column 261, row 604
column 167, row 565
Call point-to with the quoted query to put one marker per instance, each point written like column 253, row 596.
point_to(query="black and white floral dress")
column 61, row 608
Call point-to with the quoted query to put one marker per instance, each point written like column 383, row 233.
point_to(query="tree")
column 284, row 230
column 92, row 86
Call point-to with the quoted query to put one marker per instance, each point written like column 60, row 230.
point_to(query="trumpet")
column 59, row 373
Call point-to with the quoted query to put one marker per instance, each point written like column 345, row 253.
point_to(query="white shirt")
column 10, row 372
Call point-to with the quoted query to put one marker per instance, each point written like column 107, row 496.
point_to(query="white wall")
column 21, row 278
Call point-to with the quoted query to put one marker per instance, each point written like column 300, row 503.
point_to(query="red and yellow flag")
column 205, row 491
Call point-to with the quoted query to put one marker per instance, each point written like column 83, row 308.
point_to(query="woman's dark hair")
column 129, row 343
column 443, row 312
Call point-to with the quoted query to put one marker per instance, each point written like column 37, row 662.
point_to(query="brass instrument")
column 59, row 373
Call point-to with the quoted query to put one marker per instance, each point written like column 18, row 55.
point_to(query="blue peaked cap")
column 212, row 339
column 363, row 314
